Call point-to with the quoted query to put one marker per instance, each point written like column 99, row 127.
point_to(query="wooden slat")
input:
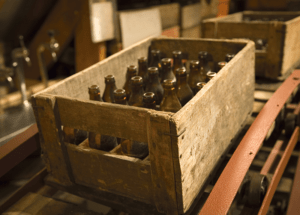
column 111, row 173
column 87, row 52
column 170, row 15
column 162, row 171
column 63, row 19
column 193, row 32
column 104, row 118
column 190, row 16
column 50, row 139
column 211, row 120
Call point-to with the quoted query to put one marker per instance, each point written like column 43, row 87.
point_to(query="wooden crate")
column 184, row 147
column 282, row 54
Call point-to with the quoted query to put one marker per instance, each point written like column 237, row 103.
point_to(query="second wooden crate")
column 184, row 147
column 282, row 54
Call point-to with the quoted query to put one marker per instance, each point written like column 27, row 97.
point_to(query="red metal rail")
column 224, row 191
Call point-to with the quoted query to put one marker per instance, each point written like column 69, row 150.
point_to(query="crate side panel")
column 104, row 118
column 51, row 143
column 218, row 49
column 95, row 168
column 210, row 120
column 291, row 53
column 193, row 32
column 77, row 85
column 286, row 15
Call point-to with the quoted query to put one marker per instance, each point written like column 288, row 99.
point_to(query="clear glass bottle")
column 98, row 141
column 154, row 85
column 183, row 90
column 131, row 72
column 137, row 91
column 170, row 102
column 143, row 70
column 110, row 86
column 177, row 61
column 166, row 70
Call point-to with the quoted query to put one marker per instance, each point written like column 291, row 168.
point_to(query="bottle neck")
column 203, row 62
column 95, row 97
column 154, row 79
column 137, row 91
column 181, row 80
column 155, row 61
column 177, row 63
column 142, row 69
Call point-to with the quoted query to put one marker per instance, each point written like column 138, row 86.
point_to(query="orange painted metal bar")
column 223, row 8
column 224, row 191
column 294, row 206
column 278, row 172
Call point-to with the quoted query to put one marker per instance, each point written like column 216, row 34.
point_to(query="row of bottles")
column 159, row 87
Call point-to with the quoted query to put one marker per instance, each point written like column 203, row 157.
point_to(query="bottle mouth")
column 120, row 94
column 137, row 81
column 202, row 54
column 142, row 60
column 152, row 70
column 221, row 64
column 109, row 79
column 200, row 85
column 177, row 54
column 169, row 84
column 131, row 69
column 166, row 62
column 210, row 75
column 94, row 89
column 155, row 52
column 149, row 97
column 181, row 72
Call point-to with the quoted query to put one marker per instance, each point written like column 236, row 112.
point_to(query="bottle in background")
column 221, row 64
column 154, row 84
column 228, row 57
column 183, row 90
column 131, row 72
column 195, row 75
column 143, row 70
column 137, row 91
column 210, row 75
column 120, row 97
column 177, row 61
column 155, row 60
column 199, row 86
column 170, row 101
column 166, row 70
column 98, row 141
column 203, row 60
column 110, row 86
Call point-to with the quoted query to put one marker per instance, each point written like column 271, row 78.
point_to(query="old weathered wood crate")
column 184, row 147
column 282, row 54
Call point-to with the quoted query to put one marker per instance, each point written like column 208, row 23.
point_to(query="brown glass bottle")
column 149, row 100
column 228, row 57
column 177, row 61
column 203, row 60
column 110, row 86
column 69, row 134
column 170, row 101
column 120, row 97
column 210, row 75
column 199, row 86
column 195, row 75
column 130, row 148
column 143, row 69
column 137, row 91
column 154, row 85
column 131, row 72
column 183, row 90
column 221, row 64
column 98, row 141
column 155, row 60
column 166, row 70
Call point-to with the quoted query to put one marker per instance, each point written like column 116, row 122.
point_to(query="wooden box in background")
column 282, row 53
column 184, row 147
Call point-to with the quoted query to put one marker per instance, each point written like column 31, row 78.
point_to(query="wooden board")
column 170, row 15
column 280, row 56
column 179, row 169
column 190, row 15
column 193, row 32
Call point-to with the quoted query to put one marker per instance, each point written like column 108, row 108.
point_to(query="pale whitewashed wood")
column 190, row 15
column 169, row 14
column 193, row 32
column 209, row 122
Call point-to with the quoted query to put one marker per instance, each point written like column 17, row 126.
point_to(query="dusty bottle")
column 120, row 97
column 143, row 70
column 203, row 60
column 221, row 64
column 149, row 100
column 155, row 60
column 131, row 72
column 183, row 90
column 154, row 85
column 130, row 148
column 98, row 141
column 137, row 91
column 199, row 86
column 177, row 61
column 170, row 101
column 228, row 57
column 110, row 86
column 166, row 70
column 195, row 75
column 69, row 134
column 210, row 75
